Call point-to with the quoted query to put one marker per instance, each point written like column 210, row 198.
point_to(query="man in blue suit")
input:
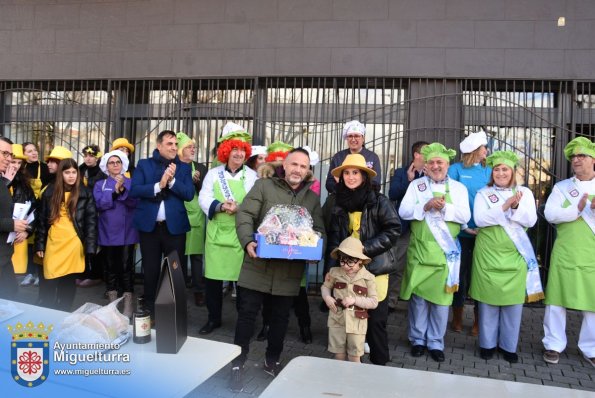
column 162, row 184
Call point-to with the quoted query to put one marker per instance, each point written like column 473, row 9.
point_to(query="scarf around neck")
column 351, row 199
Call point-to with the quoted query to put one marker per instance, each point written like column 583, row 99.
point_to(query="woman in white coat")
column 505, row 271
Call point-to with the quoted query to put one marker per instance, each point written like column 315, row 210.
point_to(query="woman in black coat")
column 363, row 213
column 67, row 232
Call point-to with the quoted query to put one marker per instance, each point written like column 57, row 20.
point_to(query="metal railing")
column 534, row 118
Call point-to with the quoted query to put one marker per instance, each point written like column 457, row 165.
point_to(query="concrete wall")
column 72, row 39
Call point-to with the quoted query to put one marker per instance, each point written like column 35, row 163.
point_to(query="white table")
column 318, row 377
column 152, row 374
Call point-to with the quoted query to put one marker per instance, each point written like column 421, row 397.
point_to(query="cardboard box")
column 288, row 252
column 171, row 316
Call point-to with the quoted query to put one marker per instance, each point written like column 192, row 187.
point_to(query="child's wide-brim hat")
column 351, row 247
column 353, row 160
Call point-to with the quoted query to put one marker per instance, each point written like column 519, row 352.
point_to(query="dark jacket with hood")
column 275, row 276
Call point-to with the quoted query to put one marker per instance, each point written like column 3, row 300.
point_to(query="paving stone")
column 476, row 372
column 577, row 375
column 564, row 379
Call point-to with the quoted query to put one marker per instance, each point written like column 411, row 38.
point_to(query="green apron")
column 426, row 272
column 223, row 252
column 195, row 238
column 499, row 275
column 571, row 277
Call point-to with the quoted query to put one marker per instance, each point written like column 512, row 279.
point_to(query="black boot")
column 263, row 334
column 306, row 334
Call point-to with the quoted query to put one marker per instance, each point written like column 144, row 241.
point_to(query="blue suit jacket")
column 147, row 173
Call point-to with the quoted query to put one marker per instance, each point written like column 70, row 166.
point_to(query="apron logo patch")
column 422, row 187
column 574, row 193
column 493, row 198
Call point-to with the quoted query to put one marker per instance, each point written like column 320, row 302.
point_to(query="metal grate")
column 534, row 118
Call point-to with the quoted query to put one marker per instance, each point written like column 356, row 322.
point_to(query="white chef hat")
column 353, row 126
column 259, row 150
column 473, row 141
column 314, row 158
column 116, row 152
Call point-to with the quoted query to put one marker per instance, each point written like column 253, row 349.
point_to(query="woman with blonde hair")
column 505, row 271
column 473, row 173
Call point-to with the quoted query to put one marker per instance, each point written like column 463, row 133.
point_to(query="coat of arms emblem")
column 29, row 353
column 493, row 198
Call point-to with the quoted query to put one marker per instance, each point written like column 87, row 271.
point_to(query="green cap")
column 183, row 141
column 436, row 149
column 508, row 158
column 580, row 146
column 279, row 146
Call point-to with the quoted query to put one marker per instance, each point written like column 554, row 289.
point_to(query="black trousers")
column 119, row 267
column 250, row 302
column 8, row 281
column 58, row 293
column 377, row 336
column 214, row 299
column 94, row 266
column 153, row 246
column 301, row 308
column 197, row 272
column 467, row 246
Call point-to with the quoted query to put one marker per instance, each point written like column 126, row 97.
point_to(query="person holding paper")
column 24, row 199
column 505, row 270
column 437, row 207
column 8, row 284
column 571, row 276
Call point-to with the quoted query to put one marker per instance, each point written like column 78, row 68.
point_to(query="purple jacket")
column 115, row 213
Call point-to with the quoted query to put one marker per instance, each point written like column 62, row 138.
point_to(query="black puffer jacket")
column 85, row 222
column 379, row 230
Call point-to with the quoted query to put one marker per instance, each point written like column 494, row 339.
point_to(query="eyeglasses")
column 7, row 154
column 114, row 163
column 579, row 156
column 350, row 261
column 354, row 136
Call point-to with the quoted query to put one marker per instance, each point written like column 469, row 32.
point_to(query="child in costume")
column 353, row 291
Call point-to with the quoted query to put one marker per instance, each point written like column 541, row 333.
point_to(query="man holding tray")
column 278, row 277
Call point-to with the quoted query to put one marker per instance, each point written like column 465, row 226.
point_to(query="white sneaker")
column 28, row 281
column 233, row 292
column 366, row 348
column 36, row 282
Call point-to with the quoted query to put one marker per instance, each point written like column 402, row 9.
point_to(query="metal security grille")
column 534, row 118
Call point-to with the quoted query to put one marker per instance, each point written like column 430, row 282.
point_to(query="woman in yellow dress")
column 67, row 232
